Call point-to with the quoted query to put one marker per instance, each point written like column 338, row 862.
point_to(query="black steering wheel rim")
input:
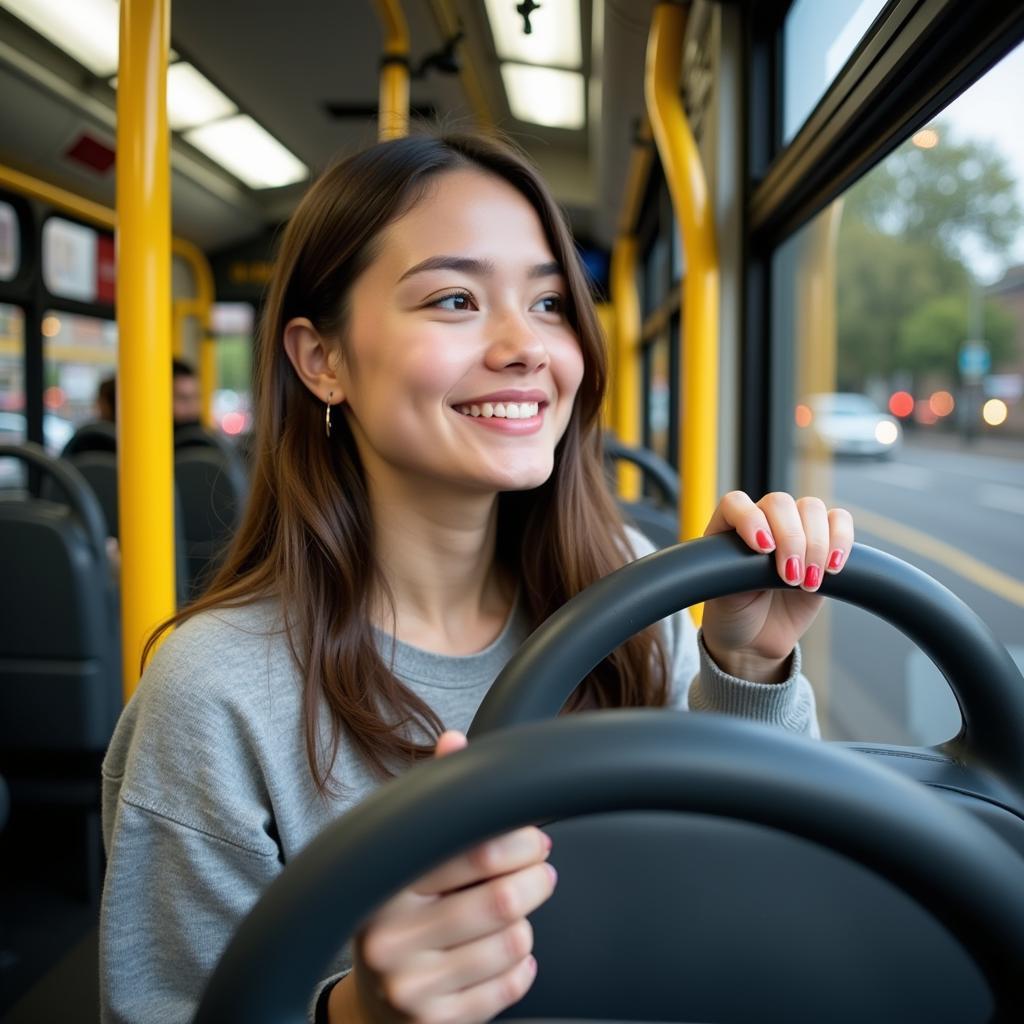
column 989, row 688
column 620, row 760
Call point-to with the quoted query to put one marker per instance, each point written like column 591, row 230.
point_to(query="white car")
column 846, row 423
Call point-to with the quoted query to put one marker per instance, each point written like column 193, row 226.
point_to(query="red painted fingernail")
column 812, row 578
column 764, row 540
column 793, row 570
column 835, row 559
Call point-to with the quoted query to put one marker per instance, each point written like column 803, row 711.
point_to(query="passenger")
column 428, row 490
column 186, row 402
column 106, row 400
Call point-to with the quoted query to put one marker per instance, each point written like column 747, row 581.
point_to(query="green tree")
column 931, row 337
column 907, row 232
column 958, row 196
column 881, row 281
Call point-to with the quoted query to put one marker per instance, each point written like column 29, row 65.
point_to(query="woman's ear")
column 317, row 362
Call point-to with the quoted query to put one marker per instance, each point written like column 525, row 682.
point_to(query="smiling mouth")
column 501, row 410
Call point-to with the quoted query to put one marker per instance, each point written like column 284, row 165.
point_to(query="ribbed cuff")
column 318, row 1014
column 775, row 703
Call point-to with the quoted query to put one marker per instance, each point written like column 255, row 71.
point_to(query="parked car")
column 846, row 423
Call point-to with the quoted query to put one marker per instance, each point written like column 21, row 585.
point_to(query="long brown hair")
column 307, row 537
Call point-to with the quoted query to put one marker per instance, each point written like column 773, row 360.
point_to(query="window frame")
column 915, row 59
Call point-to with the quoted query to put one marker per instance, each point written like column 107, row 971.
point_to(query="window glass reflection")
column 902, row 309
column 79, row 354
column 12, row 390
column 818, row 39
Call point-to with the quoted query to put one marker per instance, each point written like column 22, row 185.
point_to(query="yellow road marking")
column 939, row 551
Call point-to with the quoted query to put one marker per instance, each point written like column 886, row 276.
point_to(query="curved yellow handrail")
column 626, row 303
column 393, row 103
column 691, row 201
column 200, row 307
column 144, row 449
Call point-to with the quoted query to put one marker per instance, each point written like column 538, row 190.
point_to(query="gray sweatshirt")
column 207, row 792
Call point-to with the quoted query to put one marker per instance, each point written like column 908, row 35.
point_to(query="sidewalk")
column 999, row 446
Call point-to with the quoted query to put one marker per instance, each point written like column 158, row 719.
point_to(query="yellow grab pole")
column 626, row 303
column 145, row 467
column 606, row 318
column 692, row 204
column 201, row 307
column 393, row 104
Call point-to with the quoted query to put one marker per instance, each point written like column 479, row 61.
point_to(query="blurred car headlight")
column 887, row 432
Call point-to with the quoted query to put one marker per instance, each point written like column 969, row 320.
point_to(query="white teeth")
column 502, row 410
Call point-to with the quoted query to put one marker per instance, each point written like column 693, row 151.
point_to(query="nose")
column 516, row 345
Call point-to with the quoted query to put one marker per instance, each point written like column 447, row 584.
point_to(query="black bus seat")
column 212, row 486
column 96, row 436
column 655, row 516
column 93, row 452
column 60, row 651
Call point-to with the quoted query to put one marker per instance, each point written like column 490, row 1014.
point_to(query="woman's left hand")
column 753, row 635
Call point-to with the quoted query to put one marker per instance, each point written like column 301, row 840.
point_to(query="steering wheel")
column 597, row 762
column 545, row 671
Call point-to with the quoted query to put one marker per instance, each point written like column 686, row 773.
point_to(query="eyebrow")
column 477, row 268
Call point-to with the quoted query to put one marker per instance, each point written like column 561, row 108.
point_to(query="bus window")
column 79, row 353
column 902, row 307
column 12, row 390
column 818, row 39
column 233, row 328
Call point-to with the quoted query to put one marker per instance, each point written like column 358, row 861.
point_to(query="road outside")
column 964, row 507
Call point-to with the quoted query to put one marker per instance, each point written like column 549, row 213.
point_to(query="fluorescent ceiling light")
column 555, row 38
column 85, row 29
column 544, row 95
column 88, row 30
column 192, row 99
column 248, row 151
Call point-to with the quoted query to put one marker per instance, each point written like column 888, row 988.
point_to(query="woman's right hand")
column 454, row 947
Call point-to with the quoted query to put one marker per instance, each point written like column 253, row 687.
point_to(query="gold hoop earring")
column 327, row 416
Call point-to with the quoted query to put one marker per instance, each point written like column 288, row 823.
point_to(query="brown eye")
column 554, row 304
column 455, row 297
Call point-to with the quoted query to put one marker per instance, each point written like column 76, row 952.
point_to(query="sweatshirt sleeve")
column 190, row 836
column 698, row 684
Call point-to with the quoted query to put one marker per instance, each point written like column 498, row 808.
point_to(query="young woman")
column 428, row 488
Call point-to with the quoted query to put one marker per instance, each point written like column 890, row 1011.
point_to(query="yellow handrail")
column 692, row 204
column 58, row 198
column 393, row 103
column 626, row 303
column 200, row 307
column 144, row 449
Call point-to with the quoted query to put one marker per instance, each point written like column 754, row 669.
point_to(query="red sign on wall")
column 106, row 269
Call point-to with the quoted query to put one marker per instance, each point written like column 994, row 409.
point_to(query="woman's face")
column 459, row 365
